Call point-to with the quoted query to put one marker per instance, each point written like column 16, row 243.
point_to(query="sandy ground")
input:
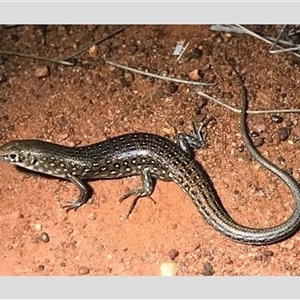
column 90, row 102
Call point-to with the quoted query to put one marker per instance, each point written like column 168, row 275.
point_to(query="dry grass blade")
column 156, row 75
column 57, row 61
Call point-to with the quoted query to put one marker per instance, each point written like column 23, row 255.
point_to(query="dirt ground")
column 87, row 103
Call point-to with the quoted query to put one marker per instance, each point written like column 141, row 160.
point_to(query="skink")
column 153, row 156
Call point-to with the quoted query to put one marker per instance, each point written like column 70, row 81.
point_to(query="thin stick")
column 263, row 39
column 62, row 62
column 278, row 38
column 157, row 76
column 95, row 43
column 182, row 52
column 238, row 111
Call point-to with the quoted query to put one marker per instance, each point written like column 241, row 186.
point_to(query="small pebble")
column 174, row 226
column 127, row 263
column 219, row 40
column 196, row 74
column 241, row 148
column 208, row 269
column 173, row 254
column 258, row 142
column 103, row 198
column 38, row 227
column 42, row 72
column 3, row 78
column 41, row 267
column 173, row 87
column 151, row 79
column 167, row 269
column 210, row 77
column 61, row 49
column 83, row 271
column 268, row 253
column 92, row 216
column 24, row 117
column 197, row 53
column 44, row 237
column 254, row 134
column 284, row 133
column 119, row 72
column 124, row 82
column 76, row 62
column 127, row 79
column 281, row 160
column 164, row 73
column 276, row 119
column 93, row 51
column 194, row 54
column 260, row 128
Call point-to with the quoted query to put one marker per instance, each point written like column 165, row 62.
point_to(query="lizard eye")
column 13, row 157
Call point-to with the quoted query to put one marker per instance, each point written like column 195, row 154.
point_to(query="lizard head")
column 18, row 152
